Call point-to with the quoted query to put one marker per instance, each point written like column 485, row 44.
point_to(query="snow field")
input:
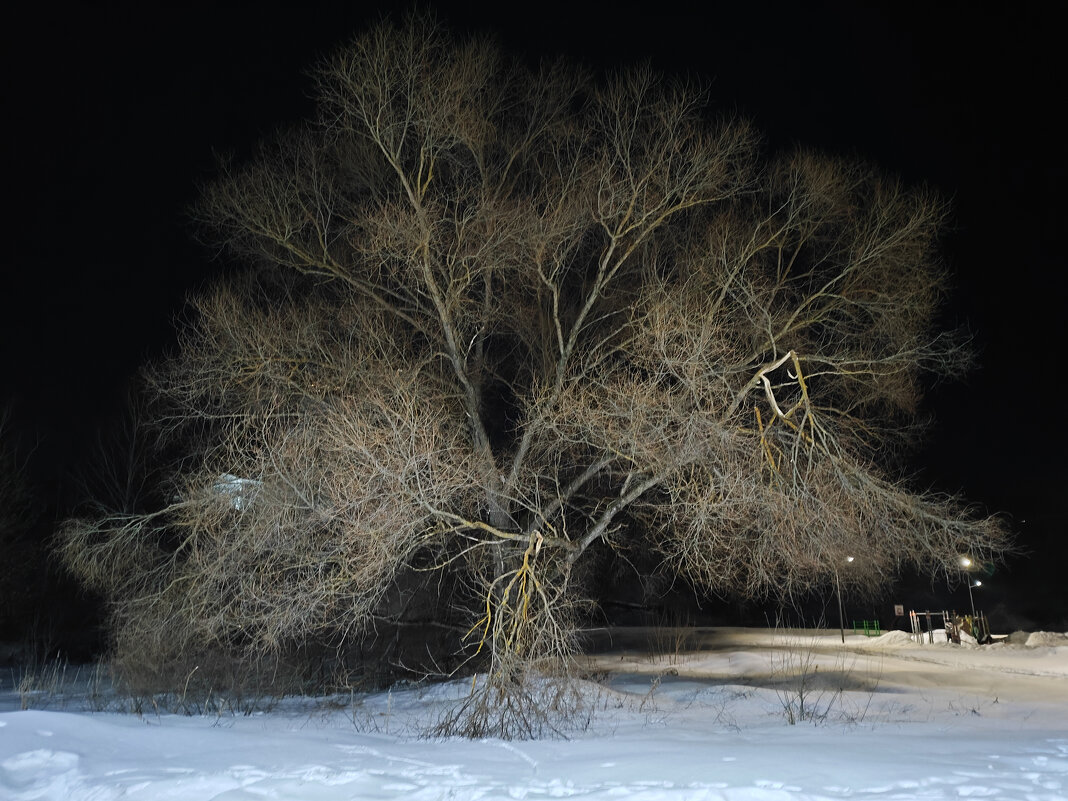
column 928, row 722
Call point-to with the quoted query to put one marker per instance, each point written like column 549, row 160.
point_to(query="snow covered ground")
column 894, row 720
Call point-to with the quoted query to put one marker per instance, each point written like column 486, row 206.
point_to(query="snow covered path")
column 666, row 738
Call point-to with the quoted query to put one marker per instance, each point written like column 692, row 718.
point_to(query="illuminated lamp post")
column 966, row 563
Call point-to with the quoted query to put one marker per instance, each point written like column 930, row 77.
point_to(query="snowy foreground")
column 912, row 722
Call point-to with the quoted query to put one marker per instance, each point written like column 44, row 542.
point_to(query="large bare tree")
column 500, row 320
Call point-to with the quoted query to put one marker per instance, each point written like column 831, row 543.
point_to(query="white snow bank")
column 1039, row 639
column 892, row 639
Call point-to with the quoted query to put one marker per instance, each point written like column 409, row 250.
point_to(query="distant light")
column 978, row 583
column 965, row 561
column 849, row 558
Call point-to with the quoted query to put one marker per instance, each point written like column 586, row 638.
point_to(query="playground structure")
column 869, row 628
column 975, row 626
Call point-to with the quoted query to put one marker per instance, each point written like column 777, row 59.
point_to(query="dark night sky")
column 114, row 114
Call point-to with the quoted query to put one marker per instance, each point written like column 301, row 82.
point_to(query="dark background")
column 114, row 113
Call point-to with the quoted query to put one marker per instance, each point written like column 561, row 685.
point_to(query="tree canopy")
column 500, row 324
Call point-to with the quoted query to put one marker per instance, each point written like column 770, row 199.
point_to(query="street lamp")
column 841, row 613
column 967, row 563
column 971, row 599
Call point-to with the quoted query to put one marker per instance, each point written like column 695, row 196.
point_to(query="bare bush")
column 499, row 321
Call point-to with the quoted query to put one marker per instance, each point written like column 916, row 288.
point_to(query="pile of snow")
column 932, row 723
column 892, row 639
column 934, row 637
column 1044, row 639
